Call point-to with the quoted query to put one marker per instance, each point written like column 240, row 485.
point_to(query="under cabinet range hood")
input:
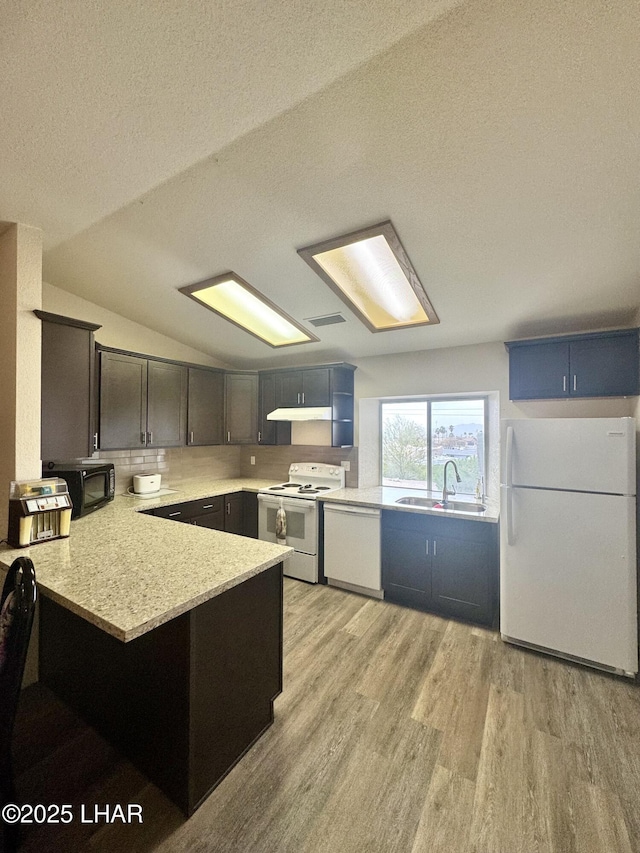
column 310, row 413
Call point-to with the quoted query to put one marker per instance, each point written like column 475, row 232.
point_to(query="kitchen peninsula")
column 167, row 638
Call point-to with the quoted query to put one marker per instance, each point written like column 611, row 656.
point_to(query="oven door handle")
column 299, row 504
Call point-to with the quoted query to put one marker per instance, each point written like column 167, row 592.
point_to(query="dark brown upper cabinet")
column 330, row 385
column 149, row 402
column 241, row 408
column 67, row 390
column 143, row 402
column 304, row 388
column 205, row 410
column 599, row 364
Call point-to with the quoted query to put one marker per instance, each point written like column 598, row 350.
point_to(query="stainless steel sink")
column 427, row 502
column 464, row 506
column 430, row 503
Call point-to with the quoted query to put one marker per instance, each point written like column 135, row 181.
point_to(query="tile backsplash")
column 272, row 463
column 183, row 463
column 174, row 463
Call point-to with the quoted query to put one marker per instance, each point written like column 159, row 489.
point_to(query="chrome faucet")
column 446, row 492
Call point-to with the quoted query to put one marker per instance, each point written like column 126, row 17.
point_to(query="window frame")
column 429, row 399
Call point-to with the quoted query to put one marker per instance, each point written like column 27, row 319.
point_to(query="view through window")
column 420, row 436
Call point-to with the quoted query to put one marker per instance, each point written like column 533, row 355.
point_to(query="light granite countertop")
column 385, row 497
column 127, row 572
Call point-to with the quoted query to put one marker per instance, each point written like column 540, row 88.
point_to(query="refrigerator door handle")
column 509, row 508
column 509, row 458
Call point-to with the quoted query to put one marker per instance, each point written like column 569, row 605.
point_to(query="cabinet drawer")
column 190, row 509
column 175, row 511
column 203, row 506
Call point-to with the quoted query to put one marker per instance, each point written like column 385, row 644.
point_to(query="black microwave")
column 91, row 484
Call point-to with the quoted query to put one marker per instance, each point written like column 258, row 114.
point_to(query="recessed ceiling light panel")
column 372, row 273
column 231, row 297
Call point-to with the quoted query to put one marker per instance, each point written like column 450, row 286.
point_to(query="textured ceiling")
column 161, row 144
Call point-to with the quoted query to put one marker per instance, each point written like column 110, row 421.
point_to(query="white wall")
column 119, row 332
column 20, row 280
column 20, row 335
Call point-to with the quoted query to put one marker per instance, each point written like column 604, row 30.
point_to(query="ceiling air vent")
column 327, row 320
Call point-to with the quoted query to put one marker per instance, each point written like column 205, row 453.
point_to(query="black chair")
column 17, row 607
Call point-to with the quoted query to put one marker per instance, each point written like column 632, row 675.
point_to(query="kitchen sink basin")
column 464, row 506
column 431, row 503
column 426, row 502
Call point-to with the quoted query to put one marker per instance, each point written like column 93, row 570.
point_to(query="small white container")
column 144, row 484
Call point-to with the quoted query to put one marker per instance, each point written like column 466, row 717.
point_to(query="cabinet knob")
column 143, row 438
column 575, row 382
column 95, row 441
column 564, row 383
column 228, row 437
column 191, row 437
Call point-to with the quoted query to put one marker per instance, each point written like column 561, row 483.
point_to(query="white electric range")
column 297, row 499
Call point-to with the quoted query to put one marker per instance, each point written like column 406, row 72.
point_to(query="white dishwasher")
column 352, row 548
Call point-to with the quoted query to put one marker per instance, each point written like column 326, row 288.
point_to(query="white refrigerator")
column 568, row 539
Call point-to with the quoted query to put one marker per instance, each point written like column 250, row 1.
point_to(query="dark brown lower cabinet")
column 250, row 514
column 186, row 700
column 446, row 565
column 212, row 520
column 234, row 513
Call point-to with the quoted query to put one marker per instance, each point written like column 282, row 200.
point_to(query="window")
column 420, row 436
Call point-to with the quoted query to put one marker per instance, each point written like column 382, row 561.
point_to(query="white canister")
column 144, row 484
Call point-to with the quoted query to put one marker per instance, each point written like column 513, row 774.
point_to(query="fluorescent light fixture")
column 231, row 297
column 371, row 272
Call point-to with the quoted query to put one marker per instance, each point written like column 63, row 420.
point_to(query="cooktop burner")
column 308, row 479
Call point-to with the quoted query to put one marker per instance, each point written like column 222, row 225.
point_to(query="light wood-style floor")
column 398, row 731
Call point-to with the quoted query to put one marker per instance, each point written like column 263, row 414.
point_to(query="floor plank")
column 446, row 817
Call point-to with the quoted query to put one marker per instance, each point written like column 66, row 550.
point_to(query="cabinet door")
column 123, row 401
column 67, row 391
column 212, row 520
column 267, row 390
column 538, row 371
column 289, row 389
column 406, row 562
column 166, row 404
column 250, row 514
column 241, row 408
column 604, row 367
column 234, row 513
column 461, row 578
column 270, row 432
column 316, row 387
column 205, row 409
